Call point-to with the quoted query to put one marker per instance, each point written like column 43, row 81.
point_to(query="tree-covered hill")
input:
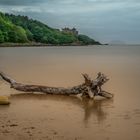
column 21, row 29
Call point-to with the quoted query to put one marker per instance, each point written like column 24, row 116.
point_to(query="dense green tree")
column 1, row 37
column 29, row 35
column 86, row 40
column 17, row 35
column 21, row 29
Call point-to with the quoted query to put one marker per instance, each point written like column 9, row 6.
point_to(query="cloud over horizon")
column 104, row 20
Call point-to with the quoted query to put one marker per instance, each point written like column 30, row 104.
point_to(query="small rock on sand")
column 4, row 100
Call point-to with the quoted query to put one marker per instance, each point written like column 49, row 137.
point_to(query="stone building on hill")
column 70, row 31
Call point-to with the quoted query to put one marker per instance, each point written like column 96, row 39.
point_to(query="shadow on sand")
column 92, row 108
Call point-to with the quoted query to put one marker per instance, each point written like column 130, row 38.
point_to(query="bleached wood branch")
column 89, row 88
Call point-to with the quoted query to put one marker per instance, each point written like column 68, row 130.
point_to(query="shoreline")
column 41, row 45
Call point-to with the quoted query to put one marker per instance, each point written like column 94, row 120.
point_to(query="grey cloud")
column 20, row 2
column 104, row 20
column 63, row 2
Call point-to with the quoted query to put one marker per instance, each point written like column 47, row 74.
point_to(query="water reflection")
column 97, row 107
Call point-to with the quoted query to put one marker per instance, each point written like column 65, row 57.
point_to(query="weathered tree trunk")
column 89, row 88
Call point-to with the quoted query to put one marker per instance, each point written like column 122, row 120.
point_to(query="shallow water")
column 60, row 117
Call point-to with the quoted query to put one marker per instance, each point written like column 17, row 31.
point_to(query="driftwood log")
column 89, row 88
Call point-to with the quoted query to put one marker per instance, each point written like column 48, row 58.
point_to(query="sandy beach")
column 50, row 117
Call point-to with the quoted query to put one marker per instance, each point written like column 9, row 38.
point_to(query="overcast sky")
column 104, row 20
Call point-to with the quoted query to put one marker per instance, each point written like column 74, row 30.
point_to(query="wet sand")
column 40, row 117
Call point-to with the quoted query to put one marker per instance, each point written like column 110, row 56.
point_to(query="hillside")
column 21, row 29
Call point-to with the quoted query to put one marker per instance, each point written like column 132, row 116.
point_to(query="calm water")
column 70, row 117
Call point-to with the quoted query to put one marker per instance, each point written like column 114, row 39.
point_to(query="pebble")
column 4, row 100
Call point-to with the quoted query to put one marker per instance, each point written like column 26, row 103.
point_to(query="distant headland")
column 17, row 30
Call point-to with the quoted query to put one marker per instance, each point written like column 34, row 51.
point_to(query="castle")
column 70, row 31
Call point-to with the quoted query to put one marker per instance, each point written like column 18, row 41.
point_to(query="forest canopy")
column 21, row 29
